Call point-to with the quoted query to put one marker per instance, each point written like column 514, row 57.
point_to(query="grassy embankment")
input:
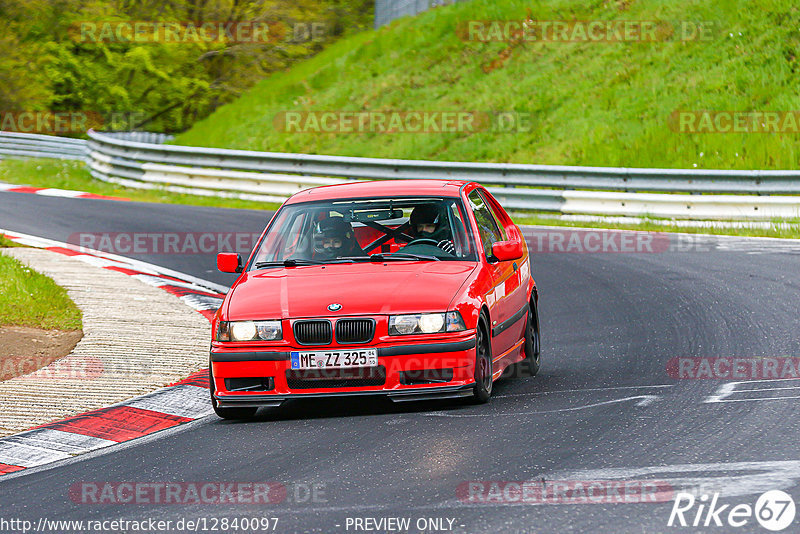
column 589, row 103
column 28, row 298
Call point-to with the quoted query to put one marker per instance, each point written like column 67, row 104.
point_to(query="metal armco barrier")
column 272, row 176
column 41, row 146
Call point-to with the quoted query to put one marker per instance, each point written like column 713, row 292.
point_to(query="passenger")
column 334, row 238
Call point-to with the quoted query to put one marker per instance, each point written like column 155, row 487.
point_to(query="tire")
column 482, row 390
column 227, row 413
column 533, row 349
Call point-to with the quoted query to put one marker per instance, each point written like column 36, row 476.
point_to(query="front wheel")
column 227, row 413
column 482, row 390
column 532, row 360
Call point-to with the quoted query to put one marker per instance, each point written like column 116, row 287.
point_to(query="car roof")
column 380, row 188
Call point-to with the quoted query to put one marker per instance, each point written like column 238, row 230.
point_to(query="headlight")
column 249, row 331
column 426, row 323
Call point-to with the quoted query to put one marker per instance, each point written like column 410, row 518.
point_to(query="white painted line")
column 757, row 399
column 728, row 479
column 581, row 390
column 5, row 187
column 58, row 440
column 764, row 389
column 192, row 402
column 725, row 390
column 729, row 388
column 644, row 400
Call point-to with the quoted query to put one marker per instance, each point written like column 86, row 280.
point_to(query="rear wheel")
column 482, row 390
column 532, row 359
column 227, row 413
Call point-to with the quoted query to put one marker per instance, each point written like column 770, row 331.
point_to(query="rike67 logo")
column 773, row 510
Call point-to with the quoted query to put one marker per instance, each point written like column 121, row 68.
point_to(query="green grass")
column 8, row 243
column 28, row 298
column 73, row 175
column 791, row 231
column 605, row 104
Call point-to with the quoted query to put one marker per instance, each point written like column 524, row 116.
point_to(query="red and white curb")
column 51, row 192
column 174, row 405
column 199, row 294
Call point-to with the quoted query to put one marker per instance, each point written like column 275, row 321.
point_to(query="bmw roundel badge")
column 334, row 307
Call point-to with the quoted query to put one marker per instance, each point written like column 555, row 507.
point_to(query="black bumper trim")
column 428, row 348
column 428, row 393
column 400, row 350
column 497, row 330
column 249, row 356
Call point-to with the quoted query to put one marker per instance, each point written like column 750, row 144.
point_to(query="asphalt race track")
column 604, row 406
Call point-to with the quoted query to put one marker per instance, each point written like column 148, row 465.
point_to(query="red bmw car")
column 415, row 289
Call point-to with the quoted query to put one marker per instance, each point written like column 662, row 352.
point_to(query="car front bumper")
column 404, row 372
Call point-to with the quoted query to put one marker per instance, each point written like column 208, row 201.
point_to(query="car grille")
column 336, row 378
column 313, row 332
column 355, row 330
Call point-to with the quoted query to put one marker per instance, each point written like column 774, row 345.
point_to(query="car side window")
column 288, row 242
column 497, row 219
column 487, row 227
column 297, row 239
column 462, row 244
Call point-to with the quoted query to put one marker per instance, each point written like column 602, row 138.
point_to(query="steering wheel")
column 424, row 241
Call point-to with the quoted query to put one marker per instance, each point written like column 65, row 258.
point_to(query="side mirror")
column 228, row 262
column 507, row 250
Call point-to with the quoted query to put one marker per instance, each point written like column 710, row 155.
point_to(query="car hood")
column 361, row 289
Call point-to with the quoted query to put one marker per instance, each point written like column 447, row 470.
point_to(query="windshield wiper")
column 287, row 263
column 402, row 256
column 299, row 262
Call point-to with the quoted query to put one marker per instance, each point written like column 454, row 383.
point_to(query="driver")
column 427, row 222
column 334, row 238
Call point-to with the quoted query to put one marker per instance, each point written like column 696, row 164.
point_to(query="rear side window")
column 488, row 228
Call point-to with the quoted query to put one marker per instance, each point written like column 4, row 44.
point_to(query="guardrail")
column 141, row 137
column 199, row 171
column 271, row 176
column 41, row 146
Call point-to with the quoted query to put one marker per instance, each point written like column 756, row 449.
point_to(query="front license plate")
column 335, row 359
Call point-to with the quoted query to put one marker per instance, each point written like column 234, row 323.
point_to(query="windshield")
column 424, row 228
